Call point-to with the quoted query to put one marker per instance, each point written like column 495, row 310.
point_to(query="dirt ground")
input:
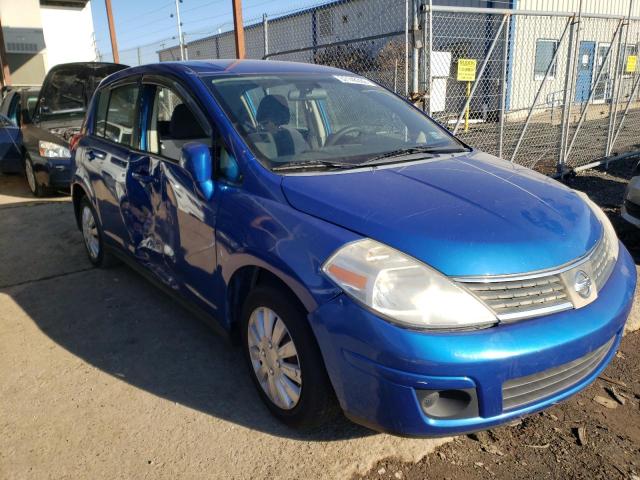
column 104, row 377
column 579, row 439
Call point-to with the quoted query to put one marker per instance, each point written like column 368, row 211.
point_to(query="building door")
column 602, row 91
column 585, row 70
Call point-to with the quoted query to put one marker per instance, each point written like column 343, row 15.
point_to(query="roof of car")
column 221, row 67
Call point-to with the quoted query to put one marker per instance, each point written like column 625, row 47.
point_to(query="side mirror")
column 196, row 160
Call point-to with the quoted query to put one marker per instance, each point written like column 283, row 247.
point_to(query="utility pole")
column 6, row 71
column 112, row 32
column 180, row 36
column 238, row 28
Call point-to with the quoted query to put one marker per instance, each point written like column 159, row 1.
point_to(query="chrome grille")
column 515, row 297
column 524, row 390
column 520, row 298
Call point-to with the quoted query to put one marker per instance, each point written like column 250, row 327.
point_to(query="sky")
column 148, row 23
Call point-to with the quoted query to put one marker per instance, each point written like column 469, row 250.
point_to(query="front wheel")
column 284, row 359
column 36, row 189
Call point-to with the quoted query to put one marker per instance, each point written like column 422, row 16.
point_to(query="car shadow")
column 116, row 321
column 14, row 188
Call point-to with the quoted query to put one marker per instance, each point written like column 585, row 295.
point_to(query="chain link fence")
column 546, row 89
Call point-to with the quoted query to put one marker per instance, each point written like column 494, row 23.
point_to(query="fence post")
column 139, row 60
column 503, row 93
column 265, row 35
column 593, row 89
column 615, row 94
column 415, row 47
column 567, row 98
column 535, row 99
column 406, row 48
column 480, row 73
column 430, row 79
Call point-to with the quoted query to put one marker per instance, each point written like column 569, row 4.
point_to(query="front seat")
column 183, row 128
column 274, row 110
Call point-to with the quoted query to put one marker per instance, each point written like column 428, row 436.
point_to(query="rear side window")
column 116, row 114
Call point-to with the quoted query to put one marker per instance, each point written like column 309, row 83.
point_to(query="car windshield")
column 293, row 121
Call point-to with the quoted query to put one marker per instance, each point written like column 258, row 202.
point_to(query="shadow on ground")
column 116, row 321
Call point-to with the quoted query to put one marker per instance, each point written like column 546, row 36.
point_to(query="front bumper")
column 52, row 172
column 377, row 368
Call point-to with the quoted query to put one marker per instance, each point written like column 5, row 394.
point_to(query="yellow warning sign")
column 632, row 61
column 466, row 70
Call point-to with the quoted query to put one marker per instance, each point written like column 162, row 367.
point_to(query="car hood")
column 463, row 214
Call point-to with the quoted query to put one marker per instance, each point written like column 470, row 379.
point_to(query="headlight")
column 609, row 238
column 53, row 150
column 404, row 290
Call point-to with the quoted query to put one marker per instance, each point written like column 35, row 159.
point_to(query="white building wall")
column 68, row 34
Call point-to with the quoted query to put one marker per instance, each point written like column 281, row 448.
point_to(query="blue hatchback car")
column 362, row 255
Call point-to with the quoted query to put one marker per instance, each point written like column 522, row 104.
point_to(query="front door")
column 184, row 221
column 602, row 89
column 585, row 70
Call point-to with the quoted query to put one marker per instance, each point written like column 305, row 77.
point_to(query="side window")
column 121, row 115
column 116, row 114
column 101, row 113
column 172, row 124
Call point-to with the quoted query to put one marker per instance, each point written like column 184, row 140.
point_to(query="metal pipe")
column 503, row 93
column 535, row 99
column 615, row 94
column 180, row 37
column 430, row 78
column 566, row 100
column 538, row 13
column 406, row 48
column 591, row 92
column 480, row 73
column 415, row 59
column 265, row 35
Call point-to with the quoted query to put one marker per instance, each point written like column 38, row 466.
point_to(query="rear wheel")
column 284, row 359
column 37, row 189
column 93, row 236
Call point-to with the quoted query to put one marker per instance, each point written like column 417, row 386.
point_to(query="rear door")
column 106, row 156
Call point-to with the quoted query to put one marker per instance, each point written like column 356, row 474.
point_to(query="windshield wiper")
column 401, row 152
column 311, row 164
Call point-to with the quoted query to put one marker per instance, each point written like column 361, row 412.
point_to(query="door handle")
column 93, row 154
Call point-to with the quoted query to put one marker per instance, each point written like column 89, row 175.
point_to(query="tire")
column 93, row 235
column 316, row 403
column 36, row 189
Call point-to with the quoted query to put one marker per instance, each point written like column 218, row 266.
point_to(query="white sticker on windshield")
column 356, row 80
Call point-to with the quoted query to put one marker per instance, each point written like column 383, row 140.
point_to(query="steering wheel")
column 340, row 134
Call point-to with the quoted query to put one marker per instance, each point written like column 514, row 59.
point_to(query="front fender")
column 270, row 234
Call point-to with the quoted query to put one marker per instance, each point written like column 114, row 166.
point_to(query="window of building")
column 545, row 51
column 325, row 22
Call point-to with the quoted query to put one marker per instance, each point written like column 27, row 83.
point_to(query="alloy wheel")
column 274, row 358
column 90, row 232
column 31, row 179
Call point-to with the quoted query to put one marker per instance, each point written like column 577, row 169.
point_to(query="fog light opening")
column 449, row 403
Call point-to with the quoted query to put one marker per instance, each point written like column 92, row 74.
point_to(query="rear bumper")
column 377, row 369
